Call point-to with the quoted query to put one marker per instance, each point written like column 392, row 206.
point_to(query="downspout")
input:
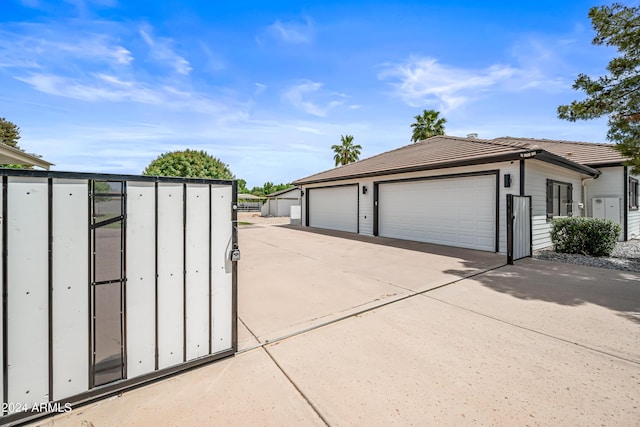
column 585, row 206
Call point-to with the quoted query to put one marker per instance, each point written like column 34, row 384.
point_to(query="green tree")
column 268, row 188
column 242, row 186
column 189, row 163
column 617, row 94
column 9, row 133
column 427, row 125
column 347, row 152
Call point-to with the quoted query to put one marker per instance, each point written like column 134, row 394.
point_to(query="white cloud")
column 299, row 94
column 100, row 87
column 423, row 81
column 308, row 129
column 46, row 47
column 544, row 63
column 260, row 88
column 162, row 50
column 292, row 32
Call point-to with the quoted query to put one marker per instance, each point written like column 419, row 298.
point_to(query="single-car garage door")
column 453, row 211
column 335, row 208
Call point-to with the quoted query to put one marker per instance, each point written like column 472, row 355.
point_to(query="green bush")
column 587, row 236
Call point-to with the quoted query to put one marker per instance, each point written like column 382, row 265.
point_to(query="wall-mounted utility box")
column 607, row 208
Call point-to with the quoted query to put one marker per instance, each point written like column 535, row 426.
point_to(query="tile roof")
column 585, row 153
column 447, row 151
column 280, row 192
column 438, row 150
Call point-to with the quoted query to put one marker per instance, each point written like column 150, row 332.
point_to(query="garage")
column 446, row 210
column 333, row 208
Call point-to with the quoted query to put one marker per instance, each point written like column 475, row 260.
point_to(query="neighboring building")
column 13, row 156
column 279, row 203
column 249, row 203
column 452, row 191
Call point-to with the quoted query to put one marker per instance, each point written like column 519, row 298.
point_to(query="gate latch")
column 235, row 255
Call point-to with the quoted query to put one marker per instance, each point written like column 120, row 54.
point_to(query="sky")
column 267, row 87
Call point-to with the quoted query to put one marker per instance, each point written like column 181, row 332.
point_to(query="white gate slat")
column 27, row 290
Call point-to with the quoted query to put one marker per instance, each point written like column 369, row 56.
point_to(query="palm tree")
column 427, row 125
column 347, row 152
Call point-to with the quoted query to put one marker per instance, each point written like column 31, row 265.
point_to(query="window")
column 108, row 280
column 633, row 194
column 559, row 199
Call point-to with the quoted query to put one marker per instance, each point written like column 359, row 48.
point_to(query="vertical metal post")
column 50, row 281
column 184, row 272
column 306, row 207
column 5, row 251
column 123, row 276
column 234, row 268
column 156, row 275
column 210, row 270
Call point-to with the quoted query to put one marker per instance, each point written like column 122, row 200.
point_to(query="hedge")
column 587, row 236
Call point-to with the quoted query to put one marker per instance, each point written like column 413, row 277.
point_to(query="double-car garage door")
column 453, row 210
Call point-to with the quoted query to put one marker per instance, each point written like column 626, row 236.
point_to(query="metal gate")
column 518, row 227
column 110, row 281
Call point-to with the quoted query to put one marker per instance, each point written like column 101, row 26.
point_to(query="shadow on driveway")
column 474, row 260
column 567, row 284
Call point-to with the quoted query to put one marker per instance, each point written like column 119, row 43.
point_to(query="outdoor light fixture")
column 364, row 189
column 507, row 180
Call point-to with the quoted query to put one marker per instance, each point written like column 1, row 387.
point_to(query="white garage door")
column 335, row 208
column 453, row 211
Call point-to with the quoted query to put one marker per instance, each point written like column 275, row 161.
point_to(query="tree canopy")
column 9, row 133
column 242, row 186
column 190, row 164
column 347, row 152
column 268, row 188
column 427, row 125
column 617, row 94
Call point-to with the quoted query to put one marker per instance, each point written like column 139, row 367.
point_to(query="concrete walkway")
column 348, row 330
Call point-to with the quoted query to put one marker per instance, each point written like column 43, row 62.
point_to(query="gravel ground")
column 626, row 256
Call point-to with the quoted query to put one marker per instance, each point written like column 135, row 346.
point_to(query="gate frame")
column 510, row 221
column 124, row 385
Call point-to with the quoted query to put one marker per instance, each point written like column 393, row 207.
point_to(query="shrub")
column 587, row 236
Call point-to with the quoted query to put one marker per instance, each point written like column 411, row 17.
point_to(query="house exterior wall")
column 611, row 183
column 366, row 200
column 278, row 207
column 293, row 193
column 536, row 175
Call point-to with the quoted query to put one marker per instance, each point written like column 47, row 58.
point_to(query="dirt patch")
column 254, row 218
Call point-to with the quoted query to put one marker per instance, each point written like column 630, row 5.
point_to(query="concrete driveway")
column 348, row 330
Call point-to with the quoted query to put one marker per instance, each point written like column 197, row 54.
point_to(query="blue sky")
column 268, row 87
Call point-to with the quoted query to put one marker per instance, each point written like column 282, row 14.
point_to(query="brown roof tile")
column 585, row 153
column 432, row 152
column 443, row 151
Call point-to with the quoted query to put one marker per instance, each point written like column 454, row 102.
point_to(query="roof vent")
column 472, row 135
